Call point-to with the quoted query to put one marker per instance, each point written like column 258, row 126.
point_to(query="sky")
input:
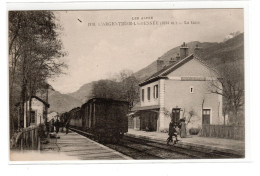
column 97, row 52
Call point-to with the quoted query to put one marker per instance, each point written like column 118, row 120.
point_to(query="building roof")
column 39, row 99
column 162, row 74
column 44, row 102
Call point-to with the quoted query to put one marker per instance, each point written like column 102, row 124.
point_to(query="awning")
column 143, row 108
column 131, row 114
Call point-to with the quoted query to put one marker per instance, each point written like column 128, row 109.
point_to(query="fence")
column 223, row 131
column 28, row 138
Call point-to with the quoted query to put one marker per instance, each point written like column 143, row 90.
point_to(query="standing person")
column 67, row 126
column 57, row 125
column 52, row 125
column 170, row 133
column 47, row 127
column 175, row 133
column 183, row 129
column 62, row 125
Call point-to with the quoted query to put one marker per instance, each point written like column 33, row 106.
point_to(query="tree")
column 131, row 90
column 107, row 89
column 191, row 114
column 231, row 86
column 35, row 52
column 225, row 110
column 124, row 87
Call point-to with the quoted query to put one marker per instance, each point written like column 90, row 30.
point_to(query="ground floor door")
column 206, row 116
column 176, row 114
column 130, row 122
column 137, row 123
column 148, row 121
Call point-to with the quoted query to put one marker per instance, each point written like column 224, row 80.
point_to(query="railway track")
column 141, row 151
column 184, row 152
column 144, row 149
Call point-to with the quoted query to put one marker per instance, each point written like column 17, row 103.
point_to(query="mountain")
column 65, row 102
column 231, row 50
column 61, row 102
column 84, row 93
column 215, row 54
column 231, row 35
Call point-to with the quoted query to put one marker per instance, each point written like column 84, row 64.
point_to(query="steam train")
column 105, row 119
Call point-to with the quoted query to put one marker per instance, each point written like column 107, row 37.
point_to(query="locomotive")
column 105, row 119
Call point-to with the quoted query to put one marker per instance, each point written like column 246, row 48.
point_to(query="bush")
column 194, row 131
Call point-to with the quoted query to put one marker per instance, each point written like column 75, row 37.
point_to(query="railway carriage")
column 75, row 117
column 105, row 119
column 64, row 117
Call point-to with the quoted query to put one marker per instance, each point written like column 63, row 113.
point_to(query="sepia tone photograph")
column 126, row 84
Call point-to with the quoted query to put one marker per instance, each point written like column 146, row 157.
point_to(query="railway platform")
column 194, row 142
column 73, row 146
column 67, row 147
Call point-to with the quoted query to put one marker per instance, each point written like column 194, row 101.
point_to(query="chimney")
column 184, row 50
column 178, row 57
column 160, row 64
column 173, row 60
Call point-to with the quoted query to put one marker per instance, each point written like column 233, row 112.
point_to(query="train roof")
column 104, row 100
column 108, row 100
column 75, row 109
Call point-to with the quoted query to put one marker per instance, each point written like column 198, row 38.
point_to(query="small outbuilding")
column 52, row 115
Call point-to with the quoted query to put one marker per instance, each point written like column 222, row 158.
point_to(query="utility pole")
column 47, row 101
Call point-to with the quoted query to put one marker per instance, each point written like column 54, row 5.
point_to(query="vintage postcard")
column 126, row 84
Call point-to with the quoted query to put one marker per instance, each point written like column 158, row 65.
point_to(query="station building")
column 181, row 90
column 38, row 111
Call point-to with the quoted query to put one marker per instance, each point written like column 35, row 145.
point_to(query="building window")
column 191, row 89
column 142, row 94
column 148, row 93
column 155, row 91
